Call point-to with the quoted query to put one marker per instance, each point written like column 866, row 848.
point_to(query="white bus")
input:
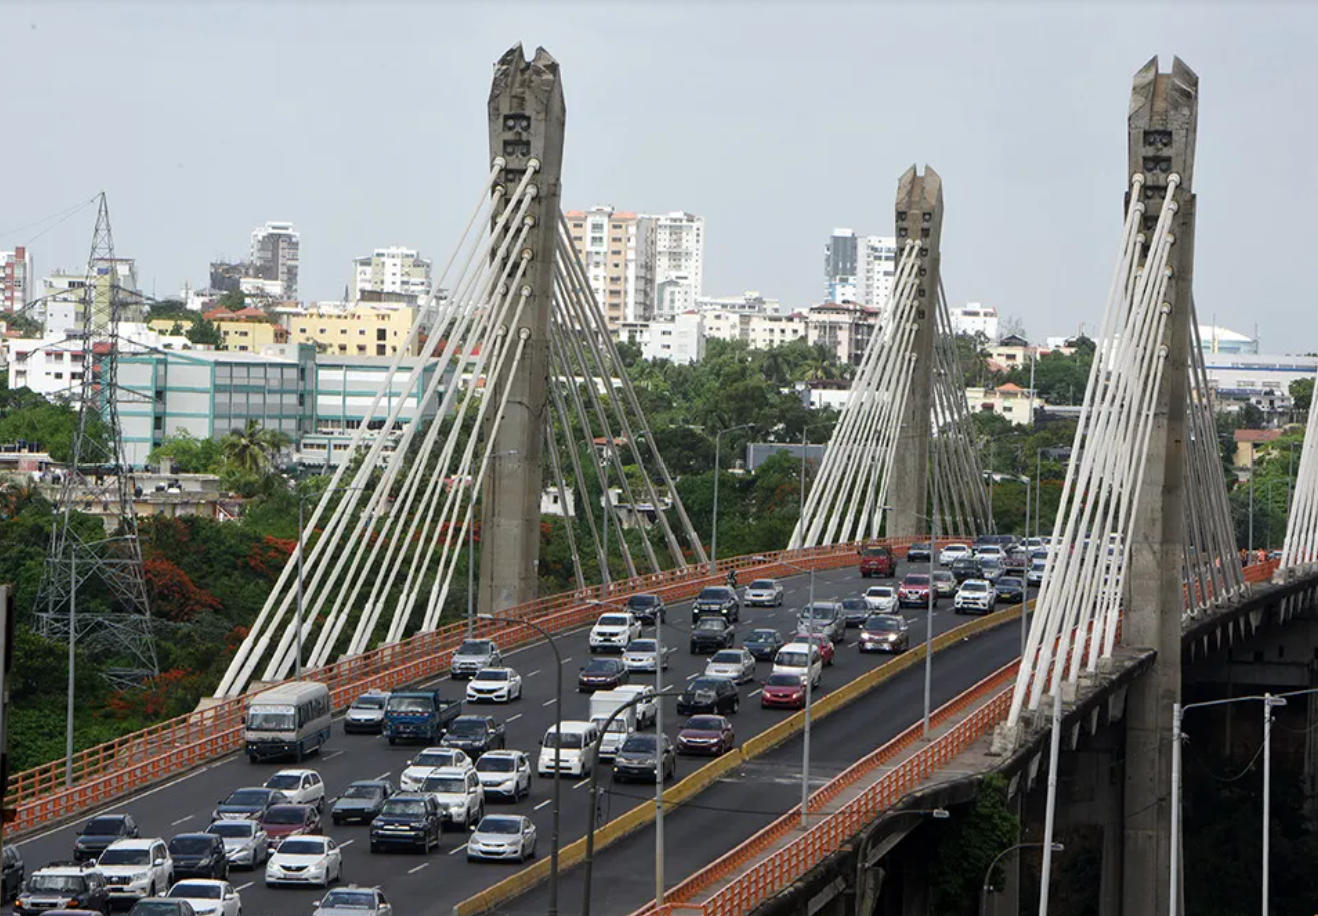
column 290, row 720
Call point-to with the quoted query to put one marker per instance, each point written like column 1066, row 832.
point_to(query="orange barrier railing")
column 39, row 796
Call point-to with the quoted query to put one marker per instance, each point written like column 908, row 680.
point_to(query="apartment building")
column 680, row 339
column 392, row 270
column 275, row 256
column 16, row 279
column 679, row 262
column 618, row 250
column 351, row 328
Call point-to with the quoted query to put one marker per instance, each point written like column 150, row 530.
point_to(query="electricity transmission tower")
column 97, row 478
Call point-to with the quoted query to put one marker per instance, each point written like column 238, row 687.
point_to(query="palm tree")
column 253, row 448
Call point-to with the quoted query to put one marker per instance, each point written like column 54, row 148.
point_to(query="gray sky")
column 363, row 123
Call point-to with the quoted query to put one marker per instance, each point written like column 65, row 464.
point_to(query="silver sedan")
column 737, row 665
column 764, row 592
column 503, row 837
column 641, row 653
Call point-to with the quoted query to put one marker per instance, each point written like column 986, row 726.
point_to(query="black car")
column 763, row 644
column 645, row 608
column 14, row 872
column 601, row 674
column 717, row 599
column 159, row 906
column 1010, row 589
column 248, row 804
column 967, row 568
column 854, row 611
column 716, row 695
column 636, row 758
column 475, row 735
column 408, row 820
column 100, row 832
column 361, row 801
column 711, row 634
column 199, row 855
column 918, row 553
column 79, row 885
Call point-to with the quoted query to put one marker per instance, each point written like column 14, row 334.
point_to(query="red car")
column 876, row 561
column 712, row 735
column 826, row 650
column 283, row 821
column 783, row 691
column 914, row 591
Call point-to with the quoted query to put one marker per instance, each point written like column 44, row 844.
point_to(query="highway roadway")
column 429, row 885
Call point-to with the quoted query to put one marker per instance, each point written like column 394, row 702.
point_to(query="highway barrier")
column 643, row 814
column 39, row 797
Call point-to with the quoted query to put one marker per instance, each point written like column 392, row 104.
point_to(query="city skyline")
column 1033, row 202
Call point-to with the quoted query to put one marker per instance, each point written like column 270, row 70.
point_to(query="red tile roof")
column 1258, row 435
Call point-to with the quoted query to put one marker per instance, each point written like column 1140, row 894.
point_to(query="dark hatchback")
column 601, row 674
column 715, row 695
column 967, row 568
column 283, row 821
column 1010, row 589
column 645, row 608
column 361, row 801
column 710, row 634
column 248, row 804
column 199, row 855
column 717, row 599
column 475, row 735
column 99, row 832
column 711, row 735
column 408, row 820
column 636, row 758
column 854, row 611
column 918, row 553
column 763, row 644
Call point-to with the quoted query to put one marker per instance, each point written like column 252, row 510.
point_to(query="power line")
column 62, row 216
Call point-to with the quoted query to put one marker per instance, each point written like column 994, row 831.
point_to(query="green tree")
column 252, row 450
column 206, row 333
column 234, row 300
column 966, row 846
column 1301, row 391
column 191, row 455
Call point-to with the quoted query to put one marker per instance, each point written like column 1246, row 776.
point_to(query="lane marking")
column 384, row 775
column 532, row 674
column 332, row 755
column 181, row 820
column 568, row 659
column 582, row 783
column 346, row 843
column 756, row 692
column 513, row 718
column 243, row 887
column 550, row 702
column 454, row 852
column 542, row 804
column 693, row 676
column 413, row 871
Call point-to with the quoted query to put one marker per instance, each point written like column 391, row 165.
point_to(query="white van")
column 576, row 756
column 792, row 659
column 605, row 704
column 290, row 720
column 647, row 710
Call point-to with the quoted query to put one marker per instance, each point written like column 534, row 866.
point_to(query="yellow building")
column 250, row 334
column 358, row 330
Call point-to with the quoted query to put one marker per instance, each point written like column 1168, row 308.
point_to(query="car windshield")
column 411, row 704
column 642, row 601
column 921, row 545
column 232, row 830
column 197, row 890
column 790, row 659
column 495, row 764
column 883, row 624
column 974, row 586
column 782, row 679
column 155, row 908
column 435, row 759
column 492, row 674
column 1009, row 582
column 286, row 814
column 762, row 636
column 368, row 703
column 448, row 785
column 500, row 825
column 876, row 551
column 641, row 645
column 710, row 623
column 613, row 620
column 916, row 580
column 125, row 857
column 601, row 666
column 991, row 563
column 640, row 744
column 271, row 719
column 350, row 900
column 187, row 846
column 248, row 798
column 1039, row 565
column 880, row 591
column 356, row 791
column 404, row 807
column 763, row 585
column 727, row 657
column 104, row 826
column 468, row 728
column 284, row 781
column 819, row 612
column 704, row 723
column 55, row 884
column 705, row 683
column 571, row 740
column 714, row 593
column 474, row 647
column 853, row 604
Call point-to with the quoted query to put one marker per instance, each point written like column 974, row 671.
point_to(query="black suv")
column 967, row 568
column 475, row 735
column 78, row 884
column 14, row 872
column 711, row 634
column 199, row 855
column 635, row 759
column 99, row 832
column 407, row 820
column 717, row 599
column 715, row 695
column 646, row 608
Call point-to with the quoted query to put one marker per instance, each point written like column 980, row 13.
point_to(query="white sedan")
column 305, row 860
column 502, row 837
column 766, row 592
column 429, row 760
column 737, row 665
column 301, row 786
column 641, row 653
column 953, row 552
column 208, row 898
column 881, row 598
column 494, row 685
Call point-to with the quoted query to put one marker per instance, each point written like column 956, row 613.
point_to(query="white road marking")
column 413, row 871
column 384, row 775
column 181, row 820
column 542, row 804
column 512, row 718
column 455, row 851
column 582, row 783
column 756, row 692
column 568, row 659
column 693, row 676
column 332, row 755
column 346, row 843
column 243, row 887
column 532, row 674
column 550, row 702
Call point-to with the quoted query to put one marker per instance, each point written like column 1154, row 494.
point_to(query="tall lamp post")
column 558, row 744
column 800, row 516
column 301, row 549
column 809, row 690
column 713, row 538
column 988, row 874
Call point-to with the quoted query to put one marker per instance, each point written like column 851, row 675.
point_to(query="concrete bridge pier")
column 1093, row 777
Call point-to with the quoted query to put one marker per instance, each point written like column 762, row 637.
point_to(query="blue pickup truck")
column 418, row 715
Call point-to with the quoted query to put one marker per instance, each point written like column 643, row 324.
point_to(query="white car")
column 800, row 658
column 975, row 595
column 458, row 793
column 737, row 665
column 764, row 593
column 881, row 598
column 245, row 843
column 647, row 708
column 208, row 898
column 990, row 550
column 505, row 773
column 429, row 760
column 494, row 685
column 1034, row 576
column 354, row 901
column 502, row 836
column 953, row 552
column 305, row 860
column 301, row 787
column 641, row 653
column 134, row 869
column 613, row 631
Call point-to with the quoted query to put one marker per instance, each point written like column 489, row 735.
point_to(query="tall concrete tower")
column 1163, row 120
column 527, row 115
column 919, row 216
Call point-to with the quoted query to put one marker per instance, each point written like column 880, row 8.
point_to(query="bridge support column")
column 1094, row 800
column 1162, row 125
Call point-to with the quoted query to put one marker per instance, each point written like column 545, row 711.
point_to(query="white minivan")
column 792, row 659
column 576, row 755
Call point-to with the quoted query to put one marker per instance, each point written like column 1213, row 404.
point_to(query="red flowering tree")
column 172, row 593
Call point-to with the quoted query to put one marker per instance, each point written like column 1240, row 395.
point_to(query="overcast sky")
column 364, row 124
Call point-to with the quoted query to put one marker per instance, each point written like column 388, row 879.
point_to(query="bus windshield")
column 272, row 718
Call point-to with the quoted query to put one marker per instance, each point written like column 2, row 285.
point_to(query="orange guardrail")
column 39, row 796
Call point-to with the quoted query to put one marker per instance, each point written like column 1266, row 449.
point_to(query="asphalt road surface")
column 432, row 884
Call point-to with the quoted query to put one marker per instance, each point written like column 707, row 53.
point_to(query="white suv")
column 613, row 631
column 975, row 595
column 429, row 760
column 953, row 552
column 134, row 869
column 303, row 787
column 458, row 793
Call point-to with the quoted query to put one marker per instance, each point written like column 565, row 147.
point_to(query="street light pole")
column 987, row 887
column 301, row 549
column 809, row 697
column 713, row 538
column 1251, row 509
column 929, row 617
column 659, row 621
column 1269, row 702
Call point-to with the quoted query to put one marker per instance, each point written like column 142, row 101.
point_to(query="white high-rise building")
column 679, row 261
column 974, row 318
column 392, row 270
column 876, row 269
column 275, row 248
column 841, row 257
column 618, row 251
column 16, row 279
